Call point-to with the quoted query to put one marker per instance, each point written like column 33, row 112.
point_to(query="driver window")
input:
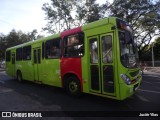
column 74, row 45
column 107, row 49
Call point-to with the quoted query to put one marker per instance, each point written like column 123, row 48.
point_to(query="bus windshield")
column 128, row 50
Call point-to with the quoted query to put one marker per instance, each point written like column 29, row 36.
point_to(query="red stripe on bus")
column 70, row 32
column 72, row 66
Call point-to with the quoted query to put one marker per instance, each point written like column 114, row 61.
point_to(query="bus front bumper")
column 128, row 90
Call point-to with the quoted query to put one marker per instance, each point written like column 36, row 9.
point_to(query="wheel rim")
column 73, row 87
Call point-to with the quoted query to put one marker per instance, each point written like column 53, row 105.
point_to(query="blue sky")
column 24, row 15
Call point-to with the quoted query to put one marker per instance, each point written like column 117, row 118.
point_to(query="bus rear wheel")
column 19, row 76
column 73, row 86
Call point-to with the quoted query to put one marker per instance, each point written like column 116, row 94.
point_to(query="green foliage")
column 2, row 46
column 143, row 15
column 65, row 14
column 156, row 49
column 147, row 54
column 14, row 38
column 88, row 11
column 58, row 15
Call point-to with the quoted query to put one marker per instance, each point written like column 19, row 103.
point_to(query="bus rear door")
column 13, row 64
column 36, row 63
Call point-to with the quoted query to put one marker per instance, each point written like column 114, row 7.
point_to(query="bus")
column 99, row 58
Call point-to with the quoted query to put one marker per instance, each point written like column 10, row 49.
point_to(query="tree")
column 14, row 38
column 156, row 49
column 65, row 14
column 88, row 11
column 58, row 15
column 2, row 46
column 147, row 56
column 143, row 15
column 32, row 35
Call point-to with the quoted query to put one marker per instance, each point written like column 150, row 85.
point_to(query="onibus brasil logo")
column 21, row 114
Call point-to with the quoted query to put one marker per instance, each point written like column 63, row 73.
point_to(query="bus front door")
column 101, row 64
column 37, row 62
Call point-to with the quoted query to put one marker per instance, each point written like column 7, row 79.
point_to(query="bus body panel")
column 28, row 66
column 50, row 68
column 69, row 65
column 128, row 90
column 48, row 71
column 51, row 72
column 27, row 70
column 98, row 29
column 10, row 65
column 54, row 71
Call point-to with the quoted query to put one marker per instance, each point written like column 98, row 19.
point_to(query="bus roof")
column 35, row 41
column 101, row 22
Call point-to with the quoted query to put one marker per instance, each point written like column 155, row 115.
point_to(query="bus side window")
column 8, row 56
column 27, row 53
column 94, row 50
column 74, row 45
column 107, row 49
column 52, row 49
column 19, row 54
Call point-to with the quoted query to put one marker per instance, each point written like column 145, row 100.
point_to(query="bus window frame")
column 8, row 58
column 81, row 36
column 19, row 57
column 45, row 48
column 24, row 55
column 108, row 57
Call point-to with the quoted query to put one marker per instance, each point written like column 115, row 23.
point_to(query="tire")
column 73, row 86
column 19, row 76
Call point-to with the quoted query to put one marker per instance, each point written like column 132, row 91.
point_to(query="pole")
column 152, row 56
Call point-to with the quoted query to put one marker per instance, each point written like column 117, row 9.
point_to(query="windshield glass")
column 128, row 50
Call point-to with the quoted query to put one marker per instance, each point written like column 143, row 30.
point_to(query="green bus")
column 98, row 58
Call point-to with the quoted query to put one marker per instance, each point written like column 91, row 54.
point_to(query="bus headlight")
column 126, row 79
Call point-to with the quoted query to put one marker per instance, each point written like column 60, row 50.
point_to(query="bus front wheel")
column 19, row 76
column 73, row 86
